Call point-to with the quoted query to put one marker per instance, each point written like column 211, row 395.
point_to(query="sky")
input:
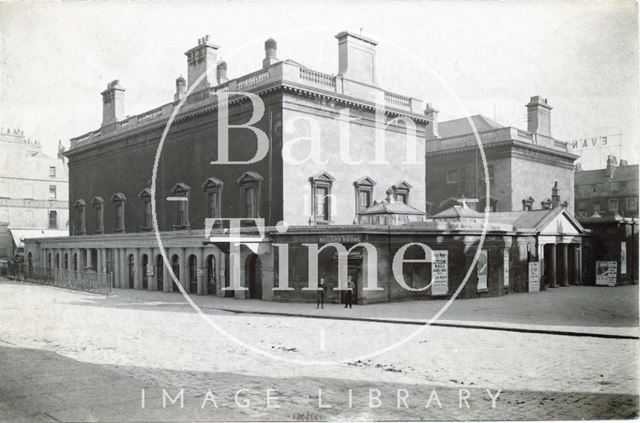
column 465, row 58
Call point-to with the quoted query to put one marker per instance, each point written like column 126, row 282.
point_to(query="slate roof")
column 533, row 220
column 19, row 235
column 457, row 127
column 590, row 177
column 398, row 207
column 456, row 212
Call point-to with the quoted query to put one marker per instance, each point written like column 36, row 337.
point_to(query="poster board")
column 623, row 258
column 505, row 268
column 149, row 269
column 534, row 276
column 483, row 266
column 606, row 273
column 440, row 273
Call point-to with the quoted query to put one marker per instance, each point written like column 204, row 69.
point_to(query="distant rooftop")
column 461, row 126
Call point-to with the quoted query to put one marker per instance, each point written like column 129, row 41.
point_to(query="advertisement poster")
column 505, row 266
column 606, row 273
column 483, row 264
column 534, row 276
column 623, row 258
column 440, row 273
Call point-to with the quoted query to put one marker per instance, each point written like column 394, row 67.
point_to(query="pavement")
column 572, row 311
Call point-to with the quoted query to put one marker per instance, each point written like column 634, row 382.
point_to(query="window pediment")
column 212, row 182
column 180, row 188
column 97, row 201
column 248, row 177
column 145, row 193
column 364, row 182
column 79, row 204
column 118, row 197
column 323, row 177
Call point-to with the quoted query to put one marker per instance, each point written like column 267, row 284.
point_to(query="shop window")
column 613, row 204
column 632, row 204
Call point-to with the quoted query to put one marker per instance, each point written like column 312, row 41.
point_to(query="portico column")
column 123, row 268
column 183, row 271
column 167, row 280
column 89, row 264
column 565, row 264
column 137, row 270
column 552, row 266
column 200, row 270
column 577, row 268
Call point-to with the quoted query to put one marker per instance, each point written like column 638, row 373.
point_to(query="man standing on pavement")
column 349, row 293
column 322, row 289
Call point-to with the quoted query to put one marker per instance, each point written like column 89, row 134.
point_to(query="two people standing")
column 322, row 290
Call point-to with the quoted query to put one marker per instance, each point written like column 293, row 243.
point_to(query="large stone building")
column 606, row 203
column 344, row 167
column 522, row 165
column 33, row 192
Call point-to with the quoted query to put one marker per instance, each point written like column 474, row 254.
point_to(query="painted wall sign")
column 505, row 268
column 342, row 239
column 483, row 266
column 623, row 258
column 592, row 142
column 534, row 276
column 149, row 269
column 440, row 273
column 606, row 273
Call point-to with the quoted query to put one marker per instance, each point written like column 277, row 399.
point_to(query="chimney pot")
column 539, row 116
column 112, row 103
column 356, row 57
column 200, row 60
column 555, row 195
column 432, row 115
column 221, row 72
column 270, row 53
column 181, row 88
column 612, row 164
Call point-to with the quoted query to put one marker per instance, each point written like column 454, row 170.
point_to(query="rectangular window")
column 596, row 206
column 147, row 215
column 53, row 219
column 52, row 192
column 119, row 216
column 632, row 204
column 322, row 203
column 52, row 171
column 613, row 204
column 99, row 218
column 401, row 197
column 250, row 202
column 364, row 200
column 453, row 176
column 214, row 204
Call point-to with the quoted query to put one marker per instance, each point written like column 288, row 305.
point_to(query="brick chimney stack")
column 113, row 103
column 221, row 72
column 356, row 57
column 181, row 88
column 555, row 196
column 201, row 60
column 539, row 116
column 270, row 53
column 432, row 115
column 612, row 164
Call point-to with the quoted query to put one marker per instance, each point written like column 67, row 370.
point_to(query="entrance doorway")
column 193, row 274
column 253, row 276
column 175, row 266
column 159, row 273
column 211, row 274
column 145, row 276
column 132, row 270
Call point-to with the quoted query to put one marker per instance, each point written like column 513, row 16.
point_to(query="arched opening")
column 159, row 273
column 175, row 266
column 30, row 263
column 57, row 260
column 75, row 261
column 132, row 269
column 145, row 273
column 253, row 276
column 49, row 261
column 193, row 274
column 66, row 261
column 211, row 274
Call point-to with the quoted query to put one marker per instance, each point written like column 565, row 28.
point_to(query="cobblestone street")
column 72, row 356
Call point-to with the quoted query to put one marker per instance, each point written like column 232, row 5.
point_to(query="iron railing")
column 97, row 282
